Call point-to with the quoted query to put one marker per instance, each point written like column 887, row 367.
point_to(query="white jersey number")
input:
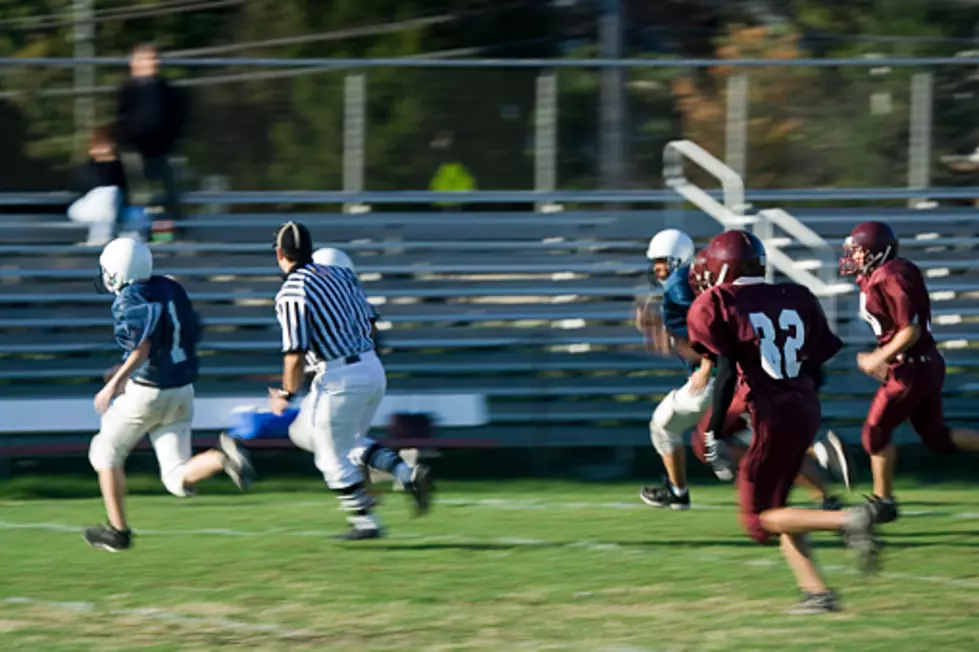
column 177, row 354
column 779, row 363
column 867, row 317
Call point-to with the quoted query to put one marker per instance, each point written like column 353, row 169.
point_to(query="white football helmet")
column 331, row 256
column 124, row 261
column 673, row 245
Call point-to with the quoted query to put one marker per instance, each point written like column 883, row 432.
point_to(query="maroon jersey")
column 768, row 330
column 892, row 298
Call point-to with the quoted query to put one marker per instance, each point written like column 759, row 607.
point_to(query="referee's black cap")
column 295, row 242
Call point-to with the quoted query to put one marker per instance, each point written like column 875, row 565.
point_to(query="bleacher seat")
column 530, row 309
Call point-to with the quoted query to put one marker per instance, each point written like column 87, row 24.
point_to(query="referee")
column 326, row 322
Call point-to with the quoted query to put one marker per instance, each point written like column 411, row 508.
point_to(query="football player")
column 894, row 301
column 153, row 390
column 669, row 252
column 775, row 338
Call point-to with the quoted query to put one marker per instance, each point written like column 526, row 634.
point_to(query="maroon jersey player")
column 895, row 302
column 776, row 338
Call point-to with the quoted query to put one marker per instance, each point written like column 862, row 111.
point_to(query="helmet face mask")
column 869, row 245
column 672, row 247
column 698, row 274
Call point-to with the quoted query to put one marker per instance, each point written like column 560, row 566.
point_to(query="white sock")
column 679, row 493
column 364, row 522
column 402, row 472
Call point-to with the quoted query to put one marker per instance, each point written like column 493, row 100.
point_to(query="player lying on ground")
column 777, row 338
column 670, row 252
column 156, row 325
column 894, row 301
column 327, row 324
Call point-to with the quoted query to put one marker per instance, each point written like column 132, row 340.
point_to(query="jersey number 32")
column 779, row 362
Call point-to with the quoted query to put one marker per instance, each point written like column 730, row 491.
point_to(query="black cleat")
column 359, row 534
column 859, row 536
column 833, row 456
column 108, row 538
column 832, row 504
column 420, row 489
column 885, row 511
column 237, row 462
column 664, row 497
column 814, row 604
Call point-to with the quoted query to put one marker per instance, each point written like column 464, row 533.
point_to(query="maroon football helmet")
column 874, row 241
column 733, row 255
column 698, row 272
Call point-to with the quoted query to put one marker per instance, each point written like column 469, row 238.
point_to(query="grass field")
column 497, row 566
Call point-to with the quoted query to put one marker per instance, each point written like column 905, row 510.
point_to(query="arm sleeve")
column 707, row 329
column 135, row 323
column 291, row 312
column 904, row 298
column 725, row 382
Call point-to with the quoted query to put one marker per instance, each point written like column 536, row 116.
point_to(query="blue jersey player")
column 153, row 390
column 670, row 253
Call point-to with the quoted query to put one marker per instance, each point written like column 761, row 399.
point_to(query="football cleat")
column 859, row 536
column 885, row 511
column 832, row 455
column 359, row 534
column 108, row 538
column 237, row 462
column 664, row 497
column 420, row 489
column 814, row 604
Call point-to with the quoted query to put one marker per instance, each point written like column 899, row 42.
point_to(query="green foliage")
column 283, row 128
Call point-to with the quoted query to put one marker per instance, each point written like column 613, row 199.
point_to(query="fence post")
column 82, row 15
column 354, row 127
column 919, row 149
column 611, row 108
column 736, row 130
column 545, row 138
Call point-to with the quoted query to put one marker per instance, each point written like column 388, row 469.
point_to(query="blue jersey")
column 678, row 296
column 159, row 310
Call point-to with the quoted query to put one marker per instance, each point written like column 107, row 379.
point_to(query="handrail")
column 408, row 62
column 258, row 197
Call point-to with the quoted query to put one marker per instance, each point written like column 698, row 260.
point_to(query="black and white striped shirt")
column 323, row 311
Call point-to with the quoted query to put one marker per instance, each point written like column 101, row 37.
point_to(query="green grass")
column 497, row 566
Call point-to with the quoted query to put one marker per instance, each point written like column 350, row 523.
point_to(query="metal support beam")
column 84, row 37
column 612, row 117
column 545, row 136
column 919, row 150
column 354, row 135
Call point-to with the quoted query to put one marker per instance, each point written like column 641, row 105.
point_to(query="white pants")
column 679, row 411
column 336, row 415
column 164, row 414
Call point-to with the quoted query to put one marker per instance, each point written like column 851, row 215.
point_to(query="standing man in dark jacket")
column 150, row 119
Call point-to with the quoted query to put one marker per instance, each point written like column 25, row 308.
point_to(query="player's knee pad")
column 102, row 455
column 664, row 441
column 874, row 439
column 173, row 480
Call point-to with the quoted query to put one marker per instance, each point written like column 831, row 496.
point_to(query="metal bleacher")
column 530, row 309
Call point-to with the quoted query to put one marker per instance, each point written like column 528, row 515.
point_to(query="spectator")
column 150, row 119
column 103, row 188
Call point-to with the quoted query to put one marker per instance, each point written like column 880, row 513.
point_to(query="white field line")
column 155, row 613
column 513, row 504
column 503, row 542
